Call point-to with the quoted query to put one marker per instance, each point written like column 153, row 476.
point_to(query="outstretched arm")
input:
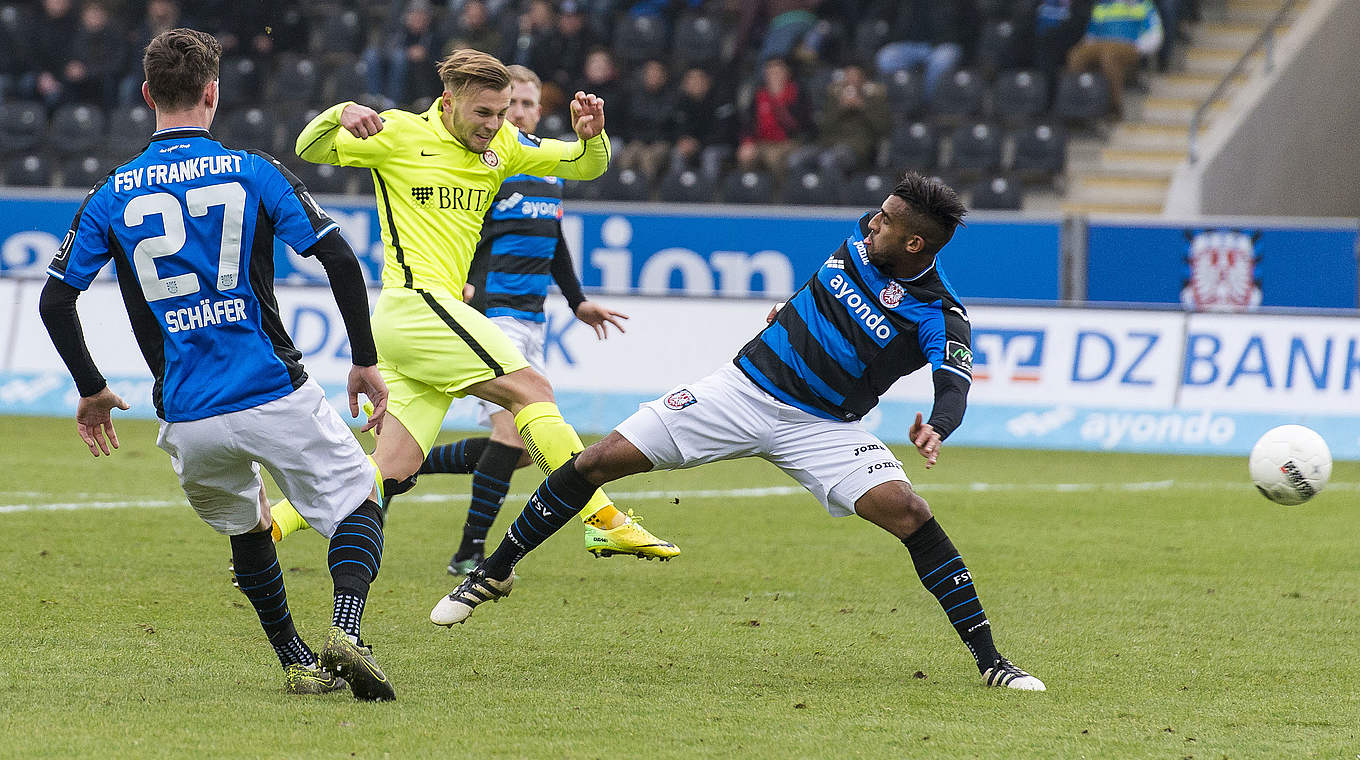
column 326, row 139
column 585, row 159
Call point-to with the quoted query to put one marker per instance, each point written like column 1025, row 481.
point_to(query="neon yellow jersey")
column 433, row 192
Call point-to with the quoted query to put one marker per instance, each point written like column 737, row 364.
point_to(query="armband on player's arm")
column 951, row 400
column 316, row 143
column 57, row 305
column 351, row 294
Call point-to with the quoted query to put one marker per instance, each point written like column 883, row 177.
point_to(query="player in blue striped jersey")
column 190, row 226
column 878, row 309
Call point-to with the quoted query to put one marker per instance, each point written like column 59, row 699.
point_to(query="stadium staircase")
column 1131, row 171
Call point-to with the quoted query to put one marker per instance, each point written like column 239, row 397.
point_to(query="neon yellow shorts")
column 431, row 347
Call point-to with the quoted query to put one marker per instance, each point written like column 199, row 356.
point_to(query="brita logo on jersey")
column 871, row 318
column 458, row 198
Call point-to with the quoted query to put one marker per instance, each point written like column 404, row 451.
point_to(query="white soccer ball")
column 1290, row 464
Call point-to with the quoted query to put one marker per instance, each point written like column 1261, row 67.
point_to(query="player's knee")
column 592, row 465
column 917, row 509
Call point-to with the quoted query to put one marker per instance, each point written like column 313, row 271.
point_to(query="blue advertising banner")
column 1230, row 266
column 640, row 249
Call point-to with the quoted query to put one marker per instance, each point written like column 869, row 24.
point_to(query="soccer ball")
column 1290, row 464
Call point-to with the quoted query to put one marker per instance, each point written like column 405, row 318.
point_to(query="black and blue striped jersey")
column 522, row 251
column 851, row 332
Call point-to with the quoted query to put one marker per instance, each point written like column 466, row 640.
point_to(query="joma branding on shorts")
column 876, row 466
column 867, row 448
column 681, row 399
column 458, row 198
column 871, row 318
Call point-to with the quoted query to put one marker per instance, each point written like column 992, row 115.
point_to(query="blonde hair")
column 466, row 70
column 520, row 73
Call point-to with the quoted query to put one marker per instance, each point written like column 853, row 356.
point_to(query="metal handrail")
column 1265, row 39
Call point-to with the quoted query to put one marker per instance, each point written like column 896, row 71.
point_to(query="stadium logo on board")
column 1222, row 271
column 491, row 159
column 422, row 196
column 681, row 399
column 891, row 296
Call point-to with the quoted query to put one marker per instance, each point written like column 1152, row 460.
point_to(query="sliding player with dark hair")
column 878, row 309
column 190, row 225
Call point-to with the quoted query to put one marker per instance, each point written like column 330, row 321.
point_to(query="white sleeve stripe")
column 59, row 275
column 326, row 230
column 958, row 372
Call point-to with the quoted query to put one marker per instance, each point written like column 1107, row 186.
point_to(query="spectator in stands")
column 856, row 116
column 98, row 53
column 533, row 42
column 778, row 119
column 160, row 16
column 1120, row 32
column 601, row 77
column 929, row 32
column 259, row 30
column 702, row 118
column 787, row 23
column 402, row 65
column 1058, row 25
column 647, row 132
column 474, row 30
column 569, row 46
column 49, row 50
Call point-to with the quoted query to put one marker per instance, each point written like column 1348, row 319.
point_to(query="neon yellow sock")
column 551, row 442
column 287, row 521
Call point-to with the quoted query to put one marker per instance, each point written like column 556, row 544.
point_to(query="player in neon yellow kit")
column 435, row 174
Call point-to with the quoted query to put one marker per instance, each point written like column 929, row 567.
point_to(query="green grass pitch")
column 1172, row 612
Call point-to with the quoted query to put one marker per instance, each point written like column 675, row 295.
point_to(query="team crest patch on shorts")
column 491, row 159
column 891, row 296
column 681, row 399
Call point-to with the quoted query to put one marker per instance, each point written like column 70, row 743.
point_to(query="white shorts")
column 299, row 438
column 529, row 338
column 725, row 416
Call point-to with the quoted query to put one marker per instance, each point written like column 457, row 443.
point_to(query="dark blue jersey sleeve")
column 298, row 220
column 85, row 249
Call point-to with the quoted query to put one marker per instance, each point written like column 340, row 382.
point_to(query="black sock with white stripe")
column 490, row 484
column 458, row 458
column 554, row 504
column 354, row 558
column 944, row 574
column 261, row 580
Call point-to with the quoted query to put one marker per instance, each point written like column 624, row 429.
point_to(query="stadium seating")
column 240, row 76
column 998, row 47
column 905, row 92
column 837, row 160
column 22, row 124
column 871, row 34
column 1040, row 150
column 698, row 42
column 913, row 146
column 249, row 128
column 685, row 186
column 996, row 194
column 867, row 189
column 346, row 80
column 959, row 96
column 130, row 127
column 1019, row 95
column 296, row 79
column 1083, row 96
column 84, row 171
column 811, row 189
column 747, row 186
column 28, row 170
column 619, row 185
column 641, row 37
column 803, row 159
column 341, row 33
column 76, row 128
column 975, row 147
column 325, row 178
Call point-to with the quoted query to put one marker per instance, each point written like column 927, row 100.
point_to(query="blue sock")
column 490, row 483
column 261, row 580
column 456, row 458
column 944, row 575
column 554, row 504
column 354, row 557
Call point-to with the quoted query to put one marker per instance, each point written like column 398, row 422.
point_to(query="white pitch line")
column 108, row 502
